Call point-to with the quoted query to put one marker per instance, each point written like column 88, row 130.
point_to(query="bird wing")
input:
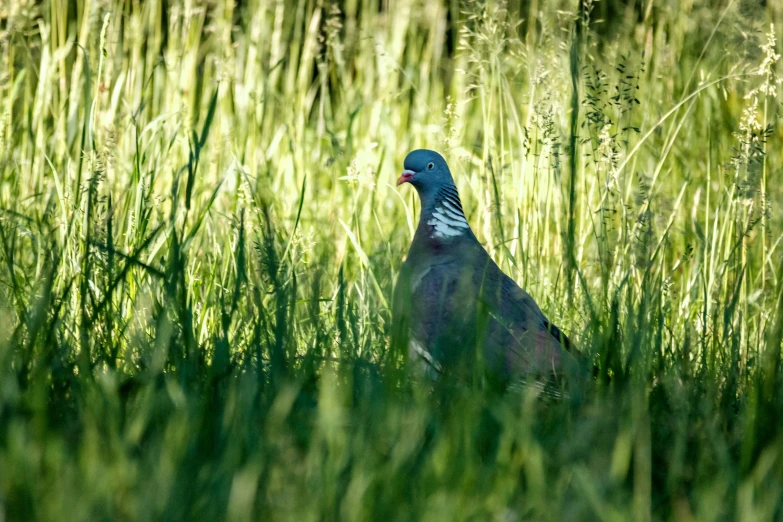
column 519, row 337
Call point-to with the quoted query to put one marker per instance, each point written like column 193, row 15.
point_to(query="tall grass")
column 199, row 236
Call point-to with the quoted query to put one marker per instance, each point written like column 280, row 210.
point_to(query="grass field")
column 199, row 235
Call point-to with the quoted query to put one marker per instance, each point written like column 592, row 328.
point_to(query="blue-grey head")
column 427, row 171
column 441, row 209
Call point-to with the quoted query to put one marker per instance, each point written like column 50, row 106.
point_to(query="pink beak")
column 405, row 177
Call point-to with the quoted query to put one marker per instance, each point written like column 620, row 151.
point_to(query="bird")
column 454, row 309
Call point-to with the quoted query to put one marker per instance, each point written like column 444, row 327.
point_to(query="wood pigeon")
column 454, row 309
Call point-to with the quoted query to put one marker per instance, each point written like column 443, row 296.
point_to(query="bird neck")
column 442, row 218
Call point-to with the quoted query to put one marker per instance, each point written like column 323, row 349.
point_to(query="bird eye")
column 430, row 165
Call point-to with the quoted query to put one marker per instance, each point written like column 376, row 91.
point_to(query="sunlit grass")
column 199, row 235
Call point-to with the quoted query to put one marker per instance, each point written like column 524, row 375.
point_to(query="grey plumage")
column 452, row 303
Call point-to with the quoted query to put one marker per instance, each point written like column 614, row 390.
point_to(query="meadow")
column 200, row 233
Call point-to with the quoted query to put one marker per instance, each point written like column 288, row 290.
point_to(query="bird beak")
column 405, row 177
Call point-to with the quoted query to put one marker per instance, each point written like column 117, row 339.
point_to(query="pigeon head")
column 426, row 170
column 442, row 218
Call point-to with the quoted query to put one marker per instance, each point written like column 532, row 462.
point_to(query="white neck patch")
column 448, row 222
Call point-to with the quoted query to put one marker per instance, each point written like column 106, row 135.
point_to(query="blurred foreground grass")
column 199, row 235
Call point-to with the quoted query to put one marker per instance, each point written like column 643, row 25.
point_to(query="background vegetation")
column 199, row 235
